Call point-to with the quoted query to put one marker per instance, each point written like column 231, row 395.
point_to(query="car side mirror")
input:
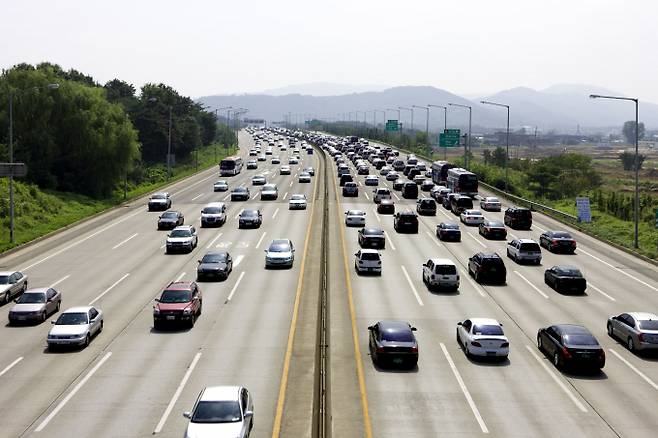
column 413, row 329
column 199, row 261
column 53, row 322
column 157, row 300
column 459, row 323
column 187, row 414
column 248, row 414
column 371, row 327
column 16, row 300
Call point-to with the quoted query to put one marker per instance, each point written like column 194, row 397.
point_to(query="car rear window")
column 214, row 258
column 369, row 256
column 649, row 324
column 397, row 336
column 445, row 270
column 562, row 235
column 495, row 262
column 169, row 215
column 488, row 330
column 32, row 298
column 530, row 247
column 522, row 213
column 583, row 339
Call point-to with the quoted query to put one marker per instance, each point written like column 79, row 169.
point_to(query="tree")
column 629, row 131
column 628, row 160
column 498, row 157
column 487, row 156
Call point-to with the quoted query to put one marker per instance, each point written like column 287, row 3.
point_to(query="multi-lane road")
column 255, row 327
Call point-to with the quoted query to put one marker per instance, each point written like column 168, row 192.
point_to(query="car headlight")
column 187, row 311
column 156, row 311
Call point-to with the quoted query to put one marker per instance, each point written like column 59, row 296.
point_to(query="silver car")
column 638, row 330
column 12, row 283
column 280, row 253
column 182, row 238
column 221, row 411
column 35, row 305
column 75, row 326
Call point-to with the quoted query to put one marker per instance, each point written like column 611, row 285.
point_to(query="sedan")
column 427, row 185
column 393, row 342
column 280, row 253
column 310, row 170
column 490, row 203
column 220, row 186
column 371, row 180
column 568, row 344
column 170, row 220
column 638, row 330
column 304, row 177
column 252, row 164
column 448, row 231
column 565, row 279
column 386, row 206
column 12, row 283
column 276, row 160
column 372, row 238
column 269, row 191
column 355, row 218
column 240, row 194
column 35, row 305
column 297, row 202
column 558, row 241
column 293, row 160
column 214, row 264
column 482, row 337
column 258, row 180
column 399, row 183
column 250, row 218
column 262, row 158
column 75, row 326
column 221, row 411
column 284, row 170
column 493, row 230
column 472, row 217
column 392, row 176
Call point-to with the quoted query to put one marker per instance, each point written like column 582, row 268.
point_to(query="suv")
column 521, row 250
column 426, row 206
column 213, row 214
column 345, row 178
column 518, row 218
column 159, row 201
column 368, row 260
column 440, row 273
column 182, row 238
column 350, row 189
column 487, row 267
column 405, row 220
column 460, row 203
column 381, row 193
column 170, row 220
column 180, row 302
column 410, row 190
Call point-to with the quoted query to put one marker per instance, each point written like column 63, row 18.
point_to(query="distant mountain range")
column 323, row 89
column 563, row 108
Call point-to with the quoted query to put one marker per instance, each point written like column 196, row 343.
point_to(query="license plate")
column 171, row 317
column 21, row 318
column 397, row 360
column 491, row 353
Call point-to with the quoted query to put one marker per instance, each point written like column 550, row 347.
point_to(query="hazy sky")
column 470, row 46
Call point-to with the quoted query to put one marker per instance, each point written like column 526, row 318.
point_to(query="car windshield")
column 649, row 324
column 279, row 247
column 74, row 318
column 298, row 198
column 488, row 330
column 583, row 339
column 176, row 296
column 220, row 183
column 169, row 215
column 158, row 196
column 212, row 210
column 32, row 298
column 239, row 189
column 250, row 213
column 561, row 235
column 269, row 187
column 4, row 279
column 217, row 412
column 181, row 233
column 397, row 336
column 214, row 258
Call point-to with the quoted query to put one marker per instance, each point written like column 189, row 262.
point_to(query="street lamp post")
column 470, row 111
column 12, row 93
column 427, row 126
column 507, row 140
column 411, row 111
column 445, row 123
column 636, row 212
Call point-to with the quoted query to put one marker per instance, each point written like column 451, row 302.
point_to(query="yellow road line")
column 276, row 429
column 355, row 335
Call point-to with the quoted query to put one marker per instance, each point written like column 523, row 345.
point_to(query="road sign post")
column 392, row 125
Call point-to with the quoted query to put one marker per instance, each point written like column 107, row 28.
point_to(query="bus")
column 440, row 171
column 230, row 166
column 463, row 182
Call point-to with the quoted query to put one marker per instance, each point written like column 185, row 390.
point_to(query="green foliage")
column 498, row 157
column 562, row 176
column 628, row 160
column 629, row 131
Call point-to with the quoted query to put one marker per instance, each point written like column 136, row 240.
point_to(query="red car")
column 179, row 303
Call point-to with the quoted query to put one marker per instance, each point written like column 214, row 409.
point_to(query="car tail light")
column 573, row 243
column 640, row 337
column 380, row 349
column 414, row 349
column 504, row 345
column 565, row 353
column 602, row 353
column 432, row 277
column 476, row 344
column 379, row 262
column 553, row 242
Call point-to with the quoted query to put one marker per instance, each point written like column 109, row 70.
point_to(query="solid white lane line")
column 285, row 196
column 237, row 283
column 390, row 241
column 275, row 213
column 180, row 277
column 476, row 239
column 620, row 270
column 629, row 365
column 108, row 289
column 396, row 196
column 531, row 285
column 237, row 260
column 367, row 197
column 290, row 184
column 124, row 241
column 214, row 240
column 81, row 240
column 197, row 197
column 60, row 280
column 10, row 366
column 177, row 394
column 261, row 239
column 462, row 385
column 163, row 246
column 70, row 395
column 413, row 288
column 473, row 283
column 600, row 291
column 360, row 184
column 374, row 210
column 555, row 378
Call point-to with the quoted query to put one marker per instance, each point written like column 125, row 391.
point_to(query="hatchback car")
column 565, row 279
column 440, row 273
column 240, row 194
column 471, row 217
column 405, row 221
column 297, row 202
column 258, row 180
column 638, row 330
column 159, row 201
column 558, row 241
column 220, row 186
column 426, row 206
column 449, row 232
column 393, row 343
column 350, row 189
column 571, row 345
column 372, row 238
column 213, row 214
column 355, row 218
column 524, row 250
column 284, row 170
column 75, row 327
column 12, row 283
column 35, row 305
column 386, row 206
column 304, row 177
column 214, row 264
column 250, row 218
column 179, row 303
column 493, row 230
column 487, row 267
column 269, row 191
column 182, row 238
column 490, row 203
column 280, row 253
column 368, row 260
column 482, row 337
column 221, row 411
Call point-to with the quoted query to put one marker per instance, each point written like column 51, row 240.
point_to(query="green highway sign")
column 392, row 125
column 449, row 138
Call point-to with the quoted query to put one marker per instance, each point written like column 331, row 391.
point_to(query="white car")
column 220, row 186
column 213, row 214
column 304, row 177
column 276, row 160
column 297, row 202
column 482, row 337
column 381, row 193
column 75, row 326
column 269, row 191
column 159, row 201
column 252, row 164
column 385, row 170
column 355, row 218
column 182, row 238
column 221, row 411
column 368, row 260
column 371, row 180
column 258, row 180
column 440, row 273
column 524, row 250
column 262, row 158
column 490, row 203
column 12, row 283
column 472, row 217
column 252, row 152
column 293, row 160
column 284, row 170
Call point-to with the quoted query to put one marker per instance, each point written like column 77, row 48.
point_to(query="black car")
column 170, row 220
column 386, row 206
column 350, row 189
column 363, row 170
column 410, row 190
column 571, row 345
column 518, row 218
column 398, row 183
column 447, row 200
column 394, row 343
column 240, row 194
column 448, row 231
column 250, row 218
column 493, row 230
column 405, row 221
column 565, row 279
column 426, row 206
column 215, row 264
column 487, row 268
column 372, row 238
column 558, row 241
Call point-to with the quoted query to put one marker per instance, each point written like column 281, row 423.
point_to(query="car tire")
column 630, row 344
column 611, row 332
column 7, row 298
column 44, row 315
column 86, row 344
column 100, row 329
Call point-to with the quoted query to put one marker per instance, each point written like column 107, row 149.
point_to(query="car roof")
column 44, row 289
column 494, row 222
column 78, row 309
column 214, row 252
column 220, row 393
column 572, row 329
column 7, row 272
column 407, row 212
column 369, row 251
column 180, row 285
column 490, row 255
column 183, row 227
column 491, row 198
column 643, row 316
column 372, row 230
column 476, row 212
column 484, row 321
column 389, row 326
column 356, row 212
column 280, row 241
column 527, row 241
column 215, row 204
column 439, row 261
